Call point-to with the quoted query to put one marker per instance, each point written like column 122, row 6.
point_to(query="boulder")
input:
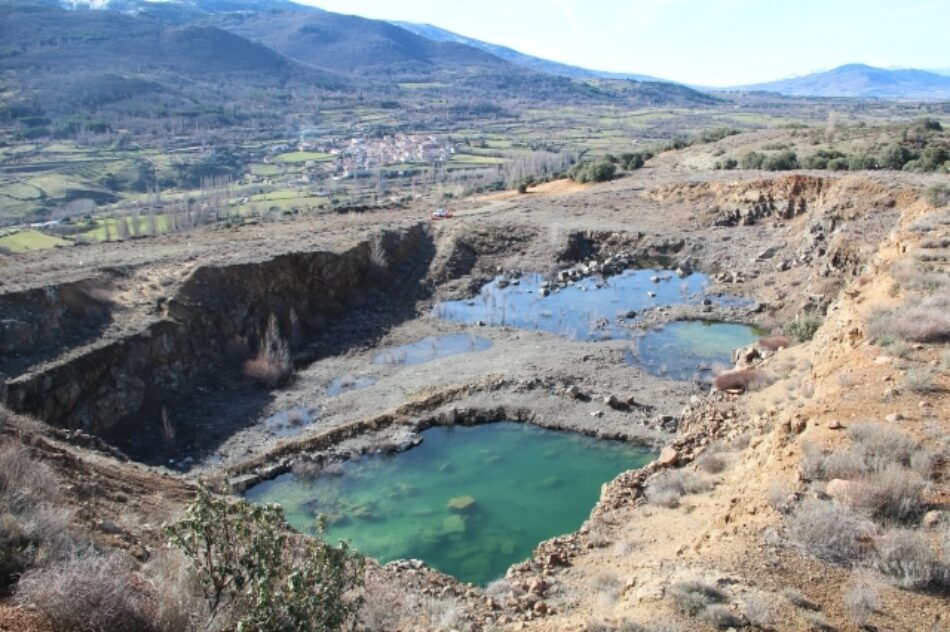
column 668, row 456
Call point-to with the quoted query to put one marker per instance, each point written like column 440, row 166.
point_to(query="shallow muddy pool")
column 587, row 310
column 469, row 501
column 690, row 349
column 432, row 348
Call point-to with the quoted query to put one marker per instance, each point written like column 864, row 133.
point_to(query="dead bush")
column 921, row 380
column 861, row 600
column 693, row 597
column 892, row 494
column 880, row 444
column 272, row 366
column 177, row 604
column 831, row 532
column 774, row 343
column 742, row 380
column 818, row 464
column 758, row 612
column 906, row 557
column 667, row 487
column 89, row 592
column 722, row 617
column 711, row 463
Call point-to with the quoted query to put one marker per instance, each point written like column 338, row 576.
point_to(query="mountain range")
column 859, row 80
column 142, row 45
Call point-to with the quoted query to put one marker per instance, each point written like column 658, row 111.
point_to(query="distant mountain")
column 859, row 80
column 351, row 44
column 182, row 10
column 538, row 64
column 79, row 58
column 384, row 52
column 269, row 43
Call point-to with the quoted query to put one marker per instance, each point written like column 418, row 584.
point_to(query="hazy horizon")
column 716, row 43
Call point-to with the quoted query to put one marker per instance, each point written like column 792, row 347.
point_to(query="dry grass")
column 667, row 487
column 34, row 526
column 907, row 559
column 272, row 366
column 861, row 600
column 87, row 593
column 693, row 597
column 711, row 462
column 927, row 321
column 831, row 532
column 892, row 494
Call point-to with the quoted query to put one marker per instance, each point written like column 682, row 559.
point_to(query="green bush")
column 939, row 195
column 862, row 162
column 599, row 171
column 253, row 571
column 753, row 160
column 894, row 157
column 782, row 161
column 804, row 326
column 715, row 134
column 632, row 161
column 838, row 164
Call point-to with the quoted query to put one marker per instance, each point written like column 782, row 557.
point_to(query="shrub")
column 722, row 617
column 250, row 569
column 87, row 593
column 804, row 326
column 907, row 559
column 711, row 463
column 831, row 532
column 894, row 157
column 838, row 164
column 692, row 597
column 729, row 164
column 782, row 161
column 753, row 160
column 861, row 600
column 927, row 322
column 272, row 365
column 880, row 444
column 634, row 160
column 600, row 171
column 667, row 487
column 894, row 493
column 742, row 380
column 715, row 134
column 938, row 195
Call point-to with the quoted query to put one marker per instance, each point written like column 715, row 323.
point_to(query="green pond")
column 469, row 500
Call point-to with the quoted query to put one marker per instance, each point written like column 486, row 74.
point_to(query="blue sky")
column 707, row 42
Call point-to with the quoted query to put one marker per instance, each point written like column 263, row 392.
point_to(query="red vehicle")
column 441, row 213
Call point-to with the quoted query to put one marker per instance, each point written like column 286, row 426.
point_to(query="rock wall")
column 207, row 330
column 35, row 322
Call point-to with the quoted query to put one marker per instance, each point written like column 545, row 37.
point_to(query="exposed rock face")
column 33, row 321
column 113, row 388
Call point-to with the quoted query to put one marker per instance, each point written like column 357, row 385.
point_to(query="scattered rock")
column 668, row 457
column 461, row 503
column 894, row 418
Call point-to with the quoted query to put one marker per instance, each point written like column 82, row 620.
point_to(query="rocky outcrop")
column 117, row 387
column 36, row 323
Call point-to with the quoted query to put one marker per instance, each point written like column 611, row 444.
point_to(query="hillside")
column 71, row 59
column 531, row 62
column 859, row 80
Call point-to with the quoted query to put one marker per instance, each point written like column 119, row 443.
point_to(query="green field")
column 295, row 157
column 27, row 240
